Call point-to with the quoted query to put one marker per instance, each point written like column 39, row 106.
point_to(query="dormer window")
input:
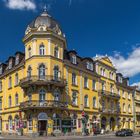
column 120, row 79
column 73, row 59
column 90, row 66
column 10, row 64
column 17, row 60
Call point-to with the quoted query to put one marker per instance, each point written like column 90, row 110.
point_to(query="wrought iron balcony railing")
column 109, row 111
column 43, row 104
column 42, row 80
column 109, row 94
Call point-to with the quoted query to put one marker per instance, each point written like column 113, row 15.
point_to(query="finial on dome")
column 45, row 8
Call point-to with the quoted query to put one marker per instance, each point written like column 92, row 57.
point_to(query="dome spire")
column 45, row 13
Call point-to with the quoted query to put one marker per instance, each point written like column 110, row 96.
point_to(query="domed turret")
column 44, row 22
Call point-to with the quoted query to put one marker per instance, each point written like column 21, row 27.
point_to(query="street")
column 99, row 137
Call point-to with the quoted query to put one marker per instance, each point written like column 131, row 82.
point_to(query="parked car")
column 125, row 132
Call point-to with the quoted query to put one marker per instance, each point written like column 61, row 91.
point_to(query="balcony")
column 43, row 80
column 35, row 104
column 108, row 94
column 109, row 111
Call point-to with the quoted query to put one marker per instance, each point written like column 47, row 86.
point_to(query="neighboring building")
column 50, row 88
column 137, row 110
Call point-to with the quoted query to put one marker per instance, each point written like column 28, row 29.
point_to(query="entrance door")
column 42, row 128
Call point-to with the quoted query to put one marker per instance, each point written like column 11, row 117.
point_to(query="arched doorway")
column 112, row 124
column 42, row 123
column 103, row 123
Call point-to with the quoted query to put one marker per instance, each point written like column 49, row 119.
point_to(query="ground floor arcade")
column 46, row 122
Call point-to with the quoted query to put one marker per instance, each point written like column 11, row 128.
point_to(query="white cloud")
column 129, row 66
column 136, row 84
column 20, row 4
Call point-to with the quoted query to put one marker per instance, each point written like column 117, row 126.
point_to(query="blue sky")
column 91, row 26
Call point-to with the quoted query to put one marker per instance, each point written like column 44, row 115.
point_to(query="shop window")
column 30, row 123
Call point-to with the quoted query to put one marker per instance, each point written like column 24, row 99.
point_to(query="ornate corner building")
column 49, row 88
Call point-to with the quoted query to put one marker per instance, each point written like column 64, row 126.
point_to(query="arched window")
column 86, row 101
column 42, row 50
column 10, row 123
column 94, row 102
column 56, row 95
column 29, row 72
column 16, row 122
column 42, row 94
column 29, row 52
column 16, row 79
column 10, row 82
column 42, row 71
column 10, row 101
column 30, row 123
column 56, row 52
column 56, row 73
column 16, row 99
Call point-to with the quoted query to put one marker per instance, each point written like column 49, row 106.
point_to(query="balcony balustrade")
column 35, row 104
column 109, row 111
column 108, row 94
column 42, row 80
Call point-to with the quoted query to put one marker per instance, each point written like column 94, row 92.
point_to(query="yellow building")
column 137, row 110
column 50, row 89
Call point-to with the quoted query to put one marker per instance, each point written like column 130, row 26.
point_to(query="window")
column 93, row 84
column 103, row 86
column 74, row 98
column 10, row 101
column 74, row 79
column 56, row 73
column 111, row 88
column 124, row 107
column 17, row 60
column 86, row 101
column 0, row 103
column 103, row 105
column 16, row 99
column 56, row 52
column 10, row 123
column 42, row 94
column 90, row 66
column 42, row 50
column 30, row 123
column 0, row 86
column 101, row 71
column 56, row 95
column 29, row 52
column 29, row 72
column 16, row 79
column 94, row 102
column 16, row 122
column 85, row 82
column 104, row 72
column 73, row 59
column 10, row 64
column 129, row 108
column 57, row 122
column 10, row 82
column 42, row 71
